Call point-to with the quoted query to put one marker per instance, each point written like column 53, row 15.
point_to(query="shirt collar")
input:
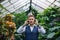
column 32, row 26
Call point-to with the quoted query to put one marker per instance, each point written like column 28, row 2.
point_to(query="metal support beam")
column 30, row 5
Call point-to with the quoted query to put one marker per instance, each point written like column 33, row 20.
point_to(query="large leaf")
column 51, row 35
column 54, row 28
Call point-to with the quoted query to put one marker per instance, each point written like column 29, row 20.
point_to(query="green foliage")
column 19, row 18
column 51, row 35
column 54, row 28
column 50, row 19
column 35, row 12
column 50, row 16
column 18, row 37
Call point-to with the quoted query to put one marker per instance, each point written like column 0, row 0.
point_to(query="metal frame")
column 30, row 4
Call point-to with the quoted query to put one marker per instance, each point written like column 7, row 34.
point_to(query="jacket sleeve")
column 41, row 30
column 21, row 29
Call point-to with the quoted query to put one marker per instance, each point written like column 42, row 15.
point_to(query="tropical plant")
column 50, row 19
column 19, row 18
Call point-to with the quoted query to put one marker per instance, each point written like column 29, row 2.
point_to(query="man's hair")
column 31, row 16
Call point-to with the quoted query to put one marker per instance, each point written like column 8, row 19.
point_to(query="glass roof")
column 23, row 5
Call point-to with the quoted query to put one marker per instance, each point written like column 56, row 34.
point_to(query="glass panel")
column 23, row 5
column 37, row 7
column 51, row 1
column 40, row 3
column 6, row 4
column 57, row 3
column 13, row 1
column 16, row 4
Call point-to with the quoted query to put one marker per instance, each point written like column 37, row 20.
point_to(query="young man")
column 31, row 29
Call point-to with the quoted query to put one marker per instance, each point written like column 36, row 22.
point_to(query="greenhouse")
column 29, row 19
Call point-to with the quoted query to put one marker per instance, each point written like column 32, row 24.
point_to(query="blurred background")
column 46, row 11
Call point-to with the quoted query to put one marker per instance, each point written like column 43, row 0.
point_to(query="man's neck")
column 31, row 25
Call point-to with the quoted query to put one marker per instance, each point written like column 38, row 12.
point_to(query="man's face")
column 31, row 20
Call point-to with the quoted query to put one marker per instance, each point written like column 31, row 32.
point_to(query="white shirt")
column 31, row 28
column 21, row 29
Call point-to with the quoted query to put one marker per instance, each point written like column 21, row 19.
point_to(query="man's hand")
column 36, row 22
column 26, row 22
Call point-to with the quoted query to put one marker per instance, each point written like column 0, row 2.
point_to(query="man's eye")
column 30, row 19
